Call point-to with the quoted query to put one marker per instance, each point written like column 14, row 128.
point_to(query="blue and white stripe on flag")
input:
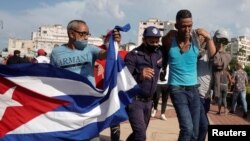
column 40, row 102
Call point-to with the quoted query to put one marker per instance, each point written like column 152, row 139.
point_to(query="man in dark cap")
column 144, row 63
column 16, row 59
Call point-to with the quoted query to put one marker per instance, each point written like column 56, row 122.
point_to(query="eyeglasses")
column 83, row 34
column 222, row 41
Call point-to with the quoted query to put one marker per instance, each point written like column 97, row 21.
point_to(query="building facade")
column 47, row 37
column 240, row 49
column 163, row 26
column 25, row 46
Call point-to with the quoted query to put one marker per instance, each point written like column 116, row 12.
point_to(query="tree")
column 232, row 64
column 247, row 69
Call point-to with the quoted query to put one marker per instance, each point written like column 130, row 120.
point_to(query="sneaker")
column 153, row 113
column 163, row 117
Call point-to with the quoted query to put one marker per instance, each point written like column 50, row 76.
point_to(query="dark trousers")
column 161, row 89
column 223, row 96
column 115, row 132
column 139, row 113
column 203, row 125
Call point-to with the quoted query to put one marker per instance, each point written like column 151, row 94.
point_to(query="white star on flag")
column 7, row 101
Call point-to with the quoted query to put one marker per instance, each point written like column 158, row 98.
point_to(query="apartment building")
column 25, row 46
column 163, row 26
column 46, row 37
column 49, row 36
column 239, row 48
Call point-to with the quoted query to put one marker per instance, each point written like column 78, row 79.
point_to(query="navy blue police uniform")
column 139, row 111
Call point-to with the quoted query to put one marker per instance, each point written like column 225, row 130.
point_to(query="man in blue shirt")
column 78, row 55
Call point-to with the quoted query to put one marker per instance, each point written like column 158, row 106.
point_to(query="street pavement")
column 159, row 130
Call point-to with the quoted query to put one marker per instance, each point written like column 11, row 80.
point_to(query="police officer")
column 144, row 63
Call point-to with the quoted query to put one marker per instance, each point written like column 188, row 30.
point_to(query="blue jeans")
column 203, row 127
column 186, row 102
column 242, row 95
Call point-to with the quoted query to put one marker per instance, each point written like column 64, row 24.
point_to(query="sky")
column 19, row 18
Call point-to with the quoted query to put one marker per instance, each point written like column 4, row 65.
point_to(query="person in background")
column 144, row 63
column 99, row 77
column 16, row 58
column 2, row 60
column 161, row 91
column 78, row 47
column 41, row 57
column 225, row 80
column 221, row 61
column 240, row 81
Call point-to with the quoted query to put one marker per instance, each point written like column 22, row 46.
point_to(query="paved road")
column 168, row 130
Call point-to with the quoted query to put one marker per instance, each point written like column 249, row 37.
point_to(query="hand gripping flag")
column 39, row 102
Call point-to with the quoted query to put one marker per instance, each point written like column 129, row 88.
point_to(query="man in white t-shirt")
column 41, row 57
column 161, row 91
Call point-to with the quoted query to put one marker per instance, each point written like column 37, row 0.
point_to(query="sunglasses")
column 222, row 41
column 83, row 34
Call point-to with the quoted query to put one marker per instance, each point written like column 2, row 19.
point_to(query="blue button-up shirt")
column 138, row 59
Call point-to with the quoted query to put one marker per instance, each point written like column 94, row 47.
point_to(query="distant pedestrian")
column 240, row 81
column 41, row 57
column 161, row 91
column 2, row 60
column 225, row 80
column 221, row 40
column 16, row 58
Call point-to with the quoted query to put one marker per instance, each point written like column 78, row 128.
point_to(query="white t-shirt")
column 166, row 77
column 42, row 59
column 204, row 75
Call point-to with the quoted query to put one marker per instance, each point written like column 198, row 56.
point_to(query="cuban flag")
column 39, row 102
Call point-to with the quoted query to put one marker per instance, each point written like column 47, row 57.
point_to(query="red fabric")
column 33, row 105
column 41, row 52
column 100, row 65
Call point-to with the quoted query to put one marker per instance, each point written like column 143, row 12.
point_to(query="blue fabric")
column 182, row 66
column 242, row 95
column 78, row 61
column 187, row 107
column 73, row 103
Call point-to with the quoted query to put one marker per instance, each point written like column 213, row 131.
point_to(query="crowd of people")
column 187, row 66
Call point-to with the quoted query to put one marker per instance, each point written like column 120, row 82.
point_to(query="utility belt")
column 143, row 99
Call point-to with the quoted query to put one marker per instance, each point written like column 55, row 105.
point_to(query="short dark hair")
column 17, row 52
column 182, row 14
